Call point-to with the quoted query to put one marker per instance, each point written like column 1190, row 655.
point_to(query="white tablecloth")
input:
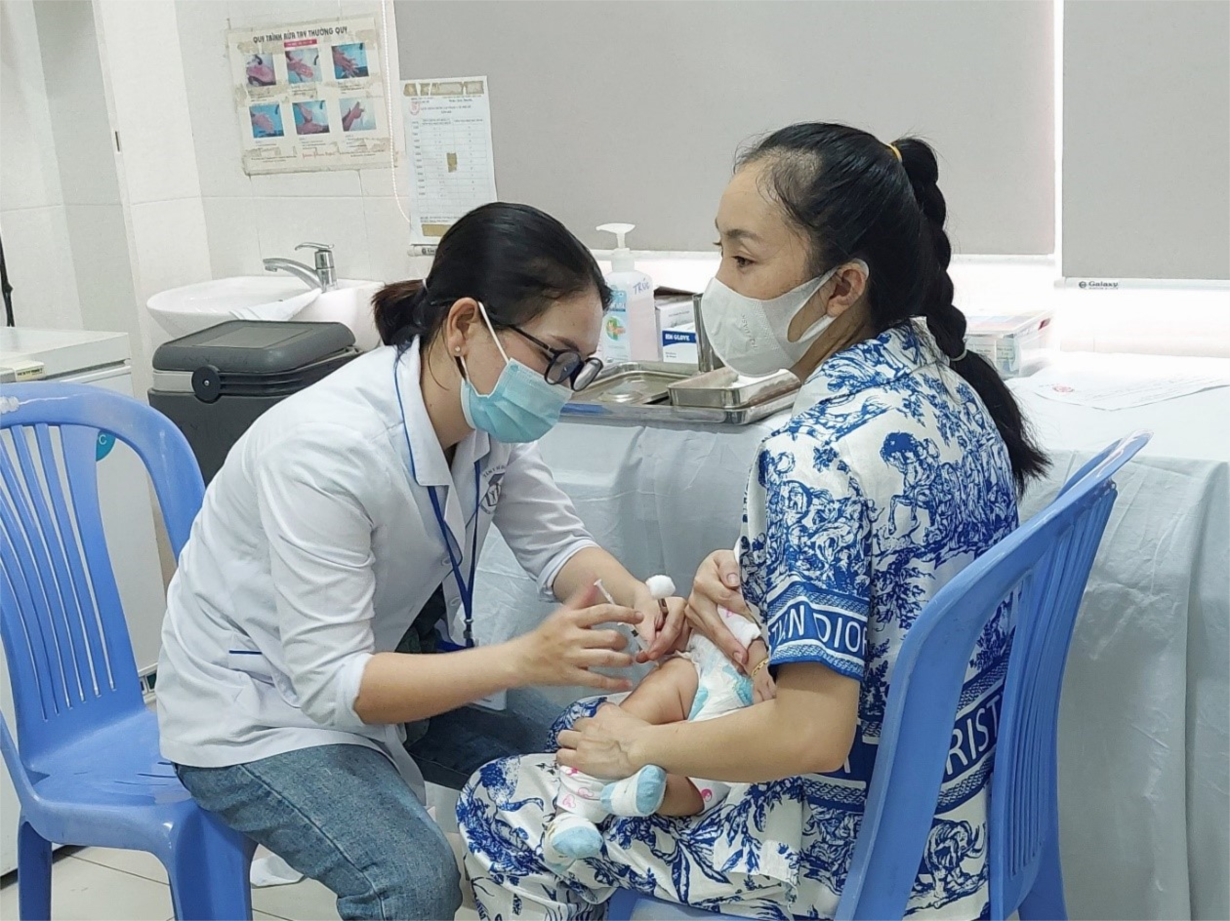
column 1144, row 747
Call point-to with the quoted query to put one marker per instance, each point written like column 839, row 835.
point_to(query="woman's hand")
column 566, row 646
column 660, row 635
column 603, row 746
column 717, row 583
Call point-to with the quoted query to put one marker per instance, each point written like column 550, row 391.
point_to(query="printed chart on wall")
column 310, row 96
column 448, row 138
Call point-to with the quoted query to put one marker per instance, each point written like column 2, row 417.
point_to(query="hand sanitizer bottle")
column 629, row 329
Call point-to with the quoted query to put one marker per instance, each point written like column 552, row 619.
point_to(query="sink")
column 181, row 311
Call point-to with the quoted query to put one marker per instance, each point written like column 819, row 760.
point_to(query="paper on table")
column 1116, row 391
column 448, row 136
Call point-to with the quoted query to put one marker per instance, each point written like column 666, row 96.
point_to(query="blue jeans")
column 341, row 814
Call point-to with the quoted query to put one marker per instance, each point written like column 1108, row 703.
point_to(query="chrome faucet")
column 322, row 276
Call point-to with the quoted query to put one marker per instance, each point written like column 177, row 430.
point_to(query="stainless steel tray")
column 579, row 411
column 727, row 389
column 634, row 383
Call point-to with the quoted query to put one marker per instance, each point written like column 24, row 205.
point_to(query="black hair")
column 514, row 259
column 856, row 199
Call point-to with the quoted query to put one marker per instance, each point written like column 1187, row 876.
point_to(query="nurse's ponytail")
column 398, row 309
column 856, row 197
column 515, row 259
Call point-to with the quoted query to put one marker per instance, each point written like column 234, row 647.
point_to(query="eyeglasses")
column 566, row 364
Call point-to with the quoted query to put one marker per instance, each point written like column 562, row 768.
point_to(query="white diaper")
column 721, row 688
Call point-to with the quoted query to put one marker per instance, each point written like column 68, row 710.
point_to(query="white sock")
column 570, row 837
column 641, row 794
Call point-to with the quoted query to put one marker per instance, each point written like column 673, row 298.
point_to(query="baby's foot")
column 570, row 837
column 641, row 794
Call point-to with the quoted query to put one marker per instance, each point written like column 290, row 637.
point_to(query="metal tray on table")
column 725, row 388
column 641, row 392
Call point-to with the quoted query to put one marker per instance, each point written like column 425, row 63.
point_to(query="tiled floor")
column 95, row 884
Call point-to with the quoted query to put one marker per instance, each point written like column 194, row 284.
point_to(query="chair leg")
column 621, row 905
column 33, row 874
column 1045, row 901
column 208, row 870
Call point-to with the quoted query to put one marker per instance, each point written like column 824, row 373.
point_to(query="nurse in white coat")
column 336, row 519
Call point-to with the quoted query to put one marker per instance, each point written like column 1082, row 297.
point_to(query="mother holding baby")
column 900, row 464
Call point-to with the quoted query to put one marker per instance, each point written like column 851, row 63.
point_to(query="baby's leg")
column 665, row 696
column 583, row 801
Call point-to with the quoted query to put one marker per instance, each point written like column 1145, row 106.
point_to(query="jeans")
column 340, row 814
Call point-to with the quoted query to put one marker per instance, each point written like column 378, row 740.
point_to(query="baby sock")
column 641, row 794
column 570, row 837
column 573, row 833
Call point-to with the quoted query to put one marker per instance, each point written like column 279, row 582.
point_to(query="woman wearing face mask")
column 901, row 464
column 344, row 523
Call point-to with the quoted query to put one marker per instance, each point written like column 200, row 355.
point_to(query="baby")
column 698, row 684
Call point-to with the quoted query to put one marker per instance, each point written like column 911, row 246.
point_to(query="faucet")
column 322, row 276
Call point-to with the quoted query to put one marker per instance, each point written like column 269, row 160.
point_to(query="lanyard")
column 464, row 588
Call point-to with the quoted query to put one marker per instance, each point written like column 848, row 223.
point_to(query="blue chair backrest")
column 65, row 638
column 1040, row 570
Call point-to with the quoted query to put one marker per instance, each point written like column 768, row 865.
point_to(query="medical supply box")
column 215, row 383
column 1015, row 344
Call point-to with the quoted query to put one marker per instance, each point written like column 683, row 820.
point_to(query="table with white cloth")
column 1144, row 736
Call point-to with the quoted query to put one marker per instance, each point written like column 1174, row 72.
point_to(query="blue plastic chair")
column 1043, row 567
column 88, row 771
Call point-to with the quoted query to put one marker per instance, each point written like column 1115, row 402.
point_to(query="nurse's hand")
column 717, row 583
column 662, row 635
column 566, row 645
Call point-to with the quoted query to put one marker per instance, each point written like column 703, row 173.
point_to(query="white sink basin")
column 190, row 309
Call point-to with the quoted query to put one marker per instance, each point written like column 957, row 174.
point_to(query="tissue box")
column 679, row 344
column 673, row 310
column 1015, row 344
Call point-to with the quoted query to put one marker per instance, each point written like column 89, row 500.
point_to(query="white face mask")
column 752, row 336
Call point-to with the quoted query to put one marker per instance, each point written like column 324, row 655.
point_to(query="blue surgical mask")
column 521, row 407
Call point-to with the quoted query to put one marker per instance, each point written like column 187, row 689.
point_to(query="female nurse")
column 900, row 464
column 322, row 544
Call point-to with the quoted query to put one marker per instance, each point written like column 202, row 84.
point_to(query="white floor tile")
column 303, row 901
column 138, row 863
column 84, row 891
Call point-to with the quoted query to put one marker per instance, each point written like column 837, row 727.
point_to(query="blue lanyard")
column 464, row 588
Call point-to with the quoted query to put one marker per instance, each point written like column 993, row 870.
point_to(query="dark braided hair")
column 856, row 197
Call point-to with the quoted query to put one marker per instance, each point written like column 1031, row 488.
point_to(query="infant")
column 699, row 683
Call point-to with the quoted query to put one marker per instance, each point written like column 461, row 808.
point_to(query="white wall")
column 33, row 218
column 84, row 149
column 249, row 218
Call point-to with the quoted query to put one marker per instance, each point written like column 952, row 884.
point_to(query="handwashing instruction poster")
column 310, row 96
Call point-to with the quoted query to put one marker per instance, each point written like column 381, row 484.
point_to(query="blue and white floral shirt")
column 887, row 481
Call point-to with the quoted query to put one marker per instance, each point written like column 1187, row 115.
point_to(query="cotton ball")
column 660, row 586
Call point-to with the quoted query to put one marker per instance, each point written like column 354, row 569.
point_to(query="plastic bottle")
column 630, row 328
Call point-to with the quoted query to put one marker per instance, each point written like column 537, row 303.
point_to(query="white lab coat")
column 316, row 547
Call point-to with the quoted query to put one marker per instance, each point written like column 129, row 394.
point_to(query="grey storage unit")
column 215, row 383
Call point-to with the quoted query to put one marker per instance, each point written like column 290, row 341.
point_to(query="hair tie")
column 964, row 354
column 896, row 152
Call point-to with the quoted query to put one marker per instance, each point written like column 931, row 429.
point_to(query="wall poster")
column 310, row 96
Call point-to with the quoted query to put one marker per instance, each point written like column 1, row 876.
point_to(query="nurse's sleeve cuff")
column 550, row 572
column 349, row 680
